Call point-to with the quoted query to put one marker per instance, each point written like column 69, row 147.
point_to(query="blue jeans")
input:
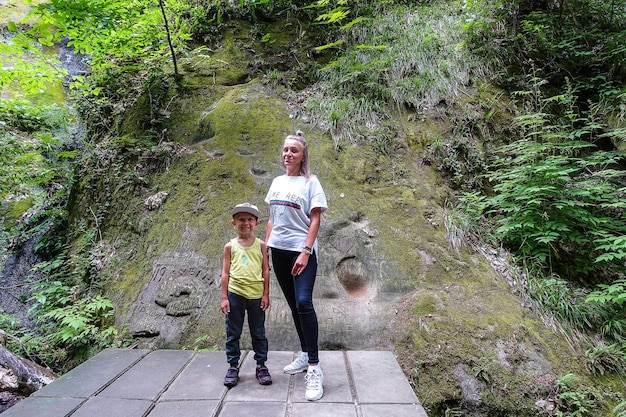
column 234, row 326
column 298, row 292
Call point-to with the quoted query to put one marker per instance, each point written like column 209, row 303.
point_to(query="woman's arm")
column 268, row 232
column 303, row 258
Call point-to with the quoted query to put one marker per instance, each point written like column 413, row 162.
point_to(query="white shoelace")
column 312, row 380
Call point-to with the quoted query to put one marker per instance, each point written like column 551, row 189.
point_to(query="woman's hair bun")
column 299, row 133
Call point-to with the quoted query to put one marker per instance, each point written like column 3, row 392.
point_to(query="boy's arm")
column 225, row 305
column 265, row 300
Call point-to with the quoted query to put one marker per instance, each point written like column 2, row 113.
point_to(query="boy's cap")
column 246, row 208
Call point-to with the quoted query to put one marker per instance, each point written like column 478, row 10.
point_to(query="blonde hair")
column 304, row 166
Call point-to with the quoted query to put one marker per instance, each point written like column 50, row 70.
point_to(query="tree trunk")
column 30, row 376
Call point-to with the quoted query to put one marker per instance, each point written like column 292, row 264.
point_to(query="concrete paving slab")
column 149, row 377
column 378, row 378
column 93, row 375
column 202, row 379
column 256, row 409
column 395, row 410
column 336, row 383
column 318, row 409
column 170, row 383
column 104, row 407
column 43, row 407
column 248, row 389
column 193, row 408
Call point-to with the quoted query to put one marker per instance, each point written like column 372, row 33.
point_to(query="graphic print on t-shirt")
column 278, row 202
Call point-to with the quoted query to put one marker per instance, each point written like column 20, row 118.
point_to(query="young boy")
column 245, row 287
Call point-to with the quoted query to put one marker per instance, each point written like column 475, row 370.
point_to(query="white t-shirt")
column 291, row 199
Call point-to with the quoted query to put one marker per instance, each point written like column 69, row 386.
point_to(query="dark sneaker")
column 232, row 377
column 263, row 375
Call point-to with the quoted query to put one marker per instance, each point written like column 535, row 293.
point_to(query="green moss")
column 15, row 210
column 426, row 304
column 450, row 327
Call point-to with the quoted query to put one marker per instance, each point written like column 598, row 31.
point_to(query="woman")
column 297, row 202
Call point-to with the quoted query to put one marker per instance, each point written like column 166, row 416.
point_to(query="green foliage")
column 116, row 35
column 202, row 344
column 82, row 323
column 25, row 342
column 72, row 324
column 385, row 63
column 611, row 302
column 34, row 154
column 573, row 399
column 557, row 197
column 554, row 205
column 26, row 69
column 603, row 359
column 24, row 116
column 459, row 157
column 344, row 118
column 582, row 40
column 563, row 300
column 613, row 293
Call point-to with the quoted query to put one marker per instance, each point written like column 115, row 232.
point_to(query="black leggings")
column 298, row 292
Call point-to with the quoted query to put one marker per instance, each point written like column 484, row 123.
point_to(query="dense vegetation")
column 539, row 169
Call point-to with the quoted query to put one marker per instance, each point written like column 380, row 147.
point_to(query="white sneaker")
column 300, row 364
column 314, row 380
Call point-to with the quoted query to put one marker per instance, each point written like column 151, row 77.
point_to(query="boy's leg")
column 256, row 321
column 234, row 327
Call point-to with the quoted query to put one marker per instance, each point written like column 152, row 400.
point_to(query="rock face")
column 173, row 299
column 354, row 295
column 388, row 275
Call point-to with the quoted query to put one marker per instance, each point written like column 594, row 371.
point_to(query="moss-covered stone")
column 14, row 210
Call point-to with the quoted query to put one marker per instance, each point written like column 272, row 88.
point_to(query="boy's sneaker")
column 300, row 364
column 314, row 380
column 232, row 377
column 263, row 375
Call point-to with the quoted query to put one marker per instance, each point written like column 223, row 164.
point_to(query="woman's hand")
column 300, row 264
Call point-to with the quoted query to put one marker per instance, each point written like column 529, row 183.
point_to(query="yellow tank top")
column 246, row 270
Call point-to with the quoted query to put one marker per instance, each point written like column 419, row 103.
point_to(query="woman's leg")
column 298, row 292
column 304, row 284
column 282, row 261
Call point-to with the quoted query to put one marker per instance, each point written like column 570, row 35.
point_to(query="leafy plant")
column 23, row 341
column 557, row 197
column 83, row 322
column 603, row 359
column 573, row 399
column 620, row 409
column 613, row 293
column 72, row 325
column 612, row 301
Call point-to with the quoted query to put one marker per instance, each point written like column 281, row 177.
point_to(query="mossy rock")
column 12, row 211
